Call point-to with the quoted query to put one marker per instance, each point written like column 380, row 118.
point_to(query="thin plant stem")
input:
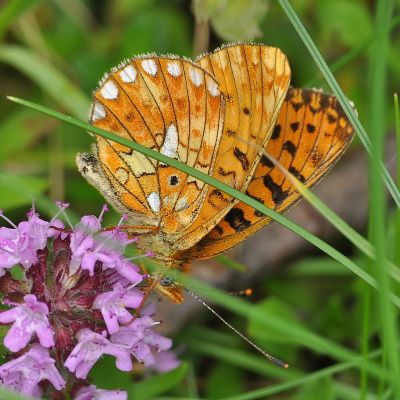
column 378, row 106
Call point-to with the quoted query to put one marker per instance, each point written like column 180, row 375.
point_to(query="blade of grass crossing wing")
column 215, row 183
column 312, row 48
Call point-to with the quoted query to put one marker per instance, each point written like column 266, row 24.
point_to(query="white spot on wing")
column 196, row 77
column 181, row 204
column 150, row 67
column 128, row 74
column 154, row 201
column 109, row 91
column 213, row 88
column 98, row 112
column 174, row 69
column 170, row 145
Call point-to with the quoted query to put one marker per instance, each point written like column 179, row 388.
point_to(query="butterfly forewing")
column 254, row 80
column 311, row 133
column 169, row 105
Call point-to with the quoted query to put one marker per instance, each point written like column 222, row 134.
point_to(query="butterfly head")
column 167, row 286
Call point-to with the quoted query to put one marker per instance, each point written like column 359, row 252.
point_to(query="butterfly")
column 218, row 114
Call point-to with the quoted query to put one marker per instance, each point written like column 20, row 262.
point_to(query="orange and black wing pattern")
column 310, row 135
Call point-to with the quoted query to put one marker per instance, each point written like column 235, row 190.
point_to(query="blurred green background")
column 55, row 52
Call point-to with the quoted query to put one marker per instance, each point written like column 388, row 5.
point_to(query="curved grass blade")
column 11, row 10
column 342, row 226
column 344, row 102
column 326, row 248
column 311, row 377
column 378, row 215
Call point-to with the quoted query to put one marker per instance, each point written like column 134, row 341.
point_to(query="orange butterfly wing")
column 310, row 135
column 253, row 79
column 167, row 104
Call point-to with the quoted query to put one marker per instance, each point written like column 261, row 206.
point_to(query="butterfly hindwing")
column 310, row 135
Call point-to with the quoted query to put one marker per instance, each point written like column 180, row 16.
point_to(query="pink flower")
column 29, row 318
column 77, row 282
column 92, row 393
column 89, row 245
column 24, row 373
column 165, row 361
column 20, row 244
column 90, row 348
column 144, row 344
column 112, row 305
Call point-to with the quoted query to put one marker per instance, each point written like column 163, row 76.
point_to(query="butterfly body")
column 218, row 115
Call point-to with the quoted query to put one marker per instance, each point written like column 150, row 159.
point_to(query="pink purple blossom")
column 92, row 393
column 113, row 305
column 90, row 348
column 24, row 373
column 79, row 299
column 29, row 318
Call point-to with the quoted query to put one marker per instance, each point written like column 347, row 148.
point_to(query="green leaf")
column 322, row 389
column 45, row 75
column 156, row 385
column 159, row 29
column 18, row 130
column 11, row 10
column 352, row 23
column 233, row 20
column 20, row 191
column 220, row 373
column 276, row 307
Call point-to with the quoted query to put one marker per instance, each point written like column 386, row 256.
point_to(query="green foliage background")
column 316, row 314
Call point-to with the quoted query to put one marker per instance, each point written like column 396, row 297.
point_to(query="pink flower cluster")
column 75, row 303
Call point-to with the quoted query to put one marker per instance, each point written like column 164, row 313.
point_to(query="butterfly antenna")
column 270, row 357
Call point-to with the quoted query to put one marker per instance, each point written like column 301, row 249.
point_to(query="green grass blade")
column 311, row 377
column 221, row 186
column 397, row 227
column 11, row 10
column 238, row 358
column 352, row 54
column 378, row 107
column 230, row 263
column 342, row 226
column 45, row 75
column 333, row 84
column 293, row 331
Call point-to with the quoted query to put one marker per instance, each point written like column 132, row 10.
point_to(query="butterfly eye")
column 173, row 180
column 166, row 281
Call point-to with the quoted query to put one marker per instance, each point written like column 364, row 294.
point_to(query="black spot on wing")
column 219, row 229
column 331, row 118
column 173, row 180
column 266, row 162
column 236, row 220
column 278, row 195
column 294, row 126
column 310, row 128
column 242, row 158
column 297, row 174
column 290, row 147
column 296, row 105
column 276, row 132
column 256, row 212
